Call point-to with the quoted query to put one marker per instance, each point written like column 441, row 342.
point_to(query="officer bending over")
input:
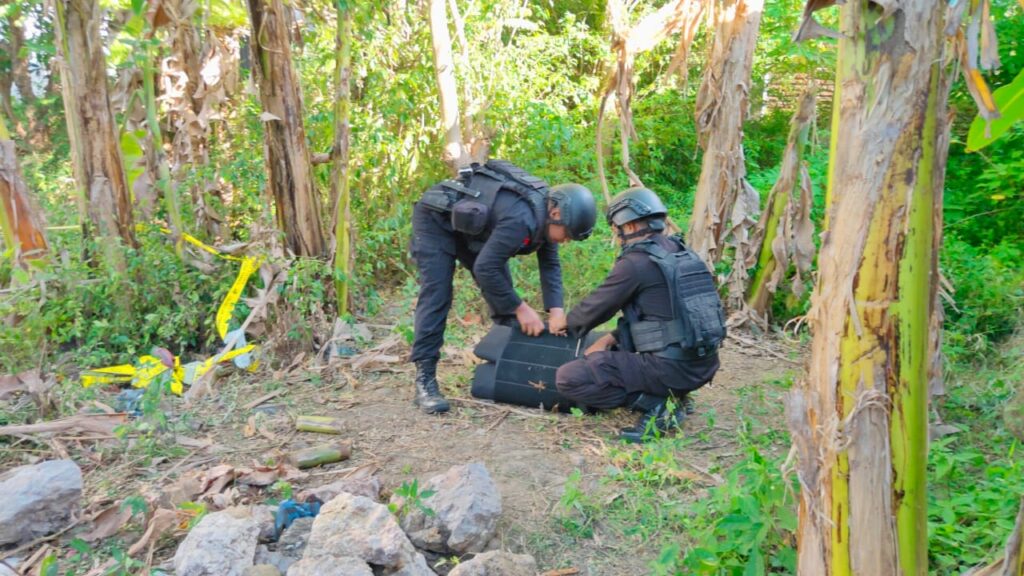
column 666, row 343
column 490, row 214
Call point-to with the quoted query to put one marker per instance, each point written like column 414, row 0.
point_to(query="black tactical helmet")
column 579, row 212
column 636, row 203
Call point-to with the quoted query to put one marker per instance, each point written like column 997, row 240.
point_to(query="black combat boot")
column 655, row 418
column 428, row 393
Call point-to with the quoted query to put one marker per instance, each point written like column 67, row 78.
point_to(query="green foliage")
column 412, row 498
column 988, row 292
column 975, row 476
column 158, row 301
column 745, row 525
column 196, row 510
column 1009, row 101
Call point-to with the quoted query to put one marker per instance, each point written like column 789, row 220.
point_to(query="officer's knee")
column 570, row 377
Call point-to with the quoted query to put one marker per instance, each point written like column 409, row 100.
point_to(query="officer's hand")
column 529, row 320
column 603, row 343
column 556, row 321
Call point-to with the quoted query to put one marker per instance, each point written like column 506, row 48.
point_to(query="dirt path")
column 529, row 453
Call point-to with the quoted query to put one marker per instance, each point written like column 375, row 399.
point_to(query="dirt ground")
column 530, row 453
column 250, row 421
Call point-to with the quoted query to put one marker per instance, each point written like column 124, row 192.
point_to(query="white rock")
column 355, row 526
column 466, row 506
column 222, row 544
column 38, row 500
column 330, row 566
column 497, row 564
column 262, row 570
column 368, row 486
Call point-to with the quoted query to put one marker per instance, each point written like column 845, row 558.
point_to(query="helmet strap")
column 642, row 232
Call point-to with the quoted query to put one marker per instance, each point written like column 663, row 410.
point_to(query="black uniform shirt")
column 634, row 277
column 511, row 233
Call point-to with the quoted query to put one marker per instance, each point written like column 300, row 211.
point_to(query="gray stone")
column 295, row 537
column 416, row 566
column 289, row 549
column 222, row 544
column 497, row 563
column 262, row 570
column 265, row 516
column 466, row 506
column 368, row 486
column 38, row 500
column 330, row 566
column 356, row 526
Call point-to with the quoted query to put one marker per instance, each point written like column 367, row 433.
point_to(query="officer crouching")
column 666, row 343
column 491, row 213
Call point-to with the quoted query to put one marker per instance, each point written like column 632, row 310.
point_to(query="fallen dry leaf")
column 188, row 442
column 160, row 522
column 185, row 489
column 225, row 499
column 470, row 319
column 29, row 381
column 267, row 475
column 217, row 478
column 250, row 427
column 108, row 522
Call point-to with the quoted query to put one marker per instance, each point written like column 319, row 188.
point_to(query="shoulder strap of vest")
column 526, row 185
column 516, row 174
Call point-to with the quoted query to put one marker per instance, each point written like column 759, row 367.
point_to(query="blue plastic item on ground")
column 289, row 511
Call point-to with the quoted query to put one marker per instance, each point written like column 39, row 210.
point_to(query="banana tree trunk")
column 859, row 419
column 454, row 155
column 722, row 107
column 20, row 219
column 783, row 238
column 103, row 193
column 340, row 191
column 290, row 176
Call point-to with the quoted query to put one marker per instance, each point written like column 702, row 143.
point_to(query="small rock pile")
column 357, row 535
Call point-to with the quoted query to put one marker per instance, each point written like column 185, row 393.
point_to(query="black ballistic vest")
column 697, row 326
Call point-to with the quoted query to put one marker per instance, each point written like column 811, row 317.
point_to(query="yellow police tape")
column 149, row 367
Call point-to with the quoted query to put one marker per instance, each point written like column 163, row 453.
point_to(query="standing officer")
column 490, row 214
column 666, row 343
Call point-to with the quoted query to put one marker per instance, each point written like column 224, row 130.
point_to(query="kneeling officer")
column 666, row 343
column 490, row 214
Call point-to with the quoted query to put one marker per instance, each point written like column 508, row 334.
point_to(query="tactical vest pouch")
column 654, row 335
column 470, row 216
column 438, row 198
column 704, row 318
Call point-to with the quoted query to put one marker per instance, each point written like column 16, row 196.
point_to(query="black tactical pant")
column 435, row 248
column 611, row 379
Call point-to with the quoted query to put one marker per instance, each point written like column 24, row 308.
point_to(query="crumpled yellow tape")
column 149, row 367
column 227, row 307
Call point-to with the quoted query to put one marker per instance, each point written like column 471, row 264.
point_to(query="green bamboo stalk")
column 322, row 454
column 339, row 171
column 318, row 424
